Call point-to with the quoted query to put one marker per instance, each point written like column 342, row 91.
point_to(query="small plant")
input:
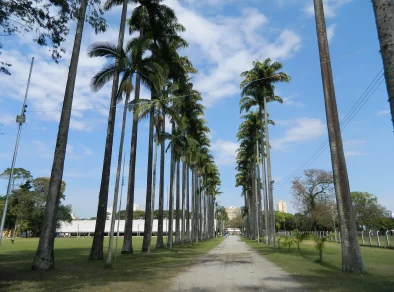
column 278, row 240
column 320, row 244
column 300, row 237
column 289, row 241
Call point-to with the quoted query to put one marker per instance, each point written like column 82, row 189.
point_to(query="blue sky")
column 224, row 37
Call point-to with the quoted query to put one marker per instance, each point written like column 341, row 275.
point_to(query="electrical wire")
column 367, row 94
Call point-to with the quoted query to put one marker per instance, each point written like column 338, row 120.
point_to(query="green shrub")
column 278, row 240
column 320, row 245
column 300, row 237
column 289, row 241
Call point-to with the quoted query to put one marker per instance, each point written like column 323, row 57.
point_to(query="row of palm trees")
column 258, row 88
column 258, row 93
column 153, row 60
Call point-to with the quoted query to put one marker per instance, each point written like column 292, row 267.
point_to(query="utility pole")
column 351, row 255
column 20, row 119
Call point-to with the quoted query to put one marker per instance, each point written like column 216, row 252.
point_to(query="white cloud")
column 354, row 153
column 331, row 32
column 354, row 142
column 224, row 152
column 304, row 130
column 223, row 47
column 330, row 7
column 384, row 112
column 290, row 101
column 7, row 119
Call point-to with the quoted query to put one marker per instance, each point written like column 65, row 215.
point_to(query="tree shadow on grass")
column 73, row 270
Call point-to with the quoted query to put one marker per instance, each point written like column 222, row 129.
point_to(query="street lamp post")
column 20, row 119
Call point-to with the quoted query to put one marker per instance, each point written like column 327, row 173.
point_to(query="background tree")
column 313, row 195
column 49, row 22
column 367, row 211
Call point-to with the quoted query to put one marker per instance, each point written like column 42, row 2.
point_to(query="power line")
column 367, row 94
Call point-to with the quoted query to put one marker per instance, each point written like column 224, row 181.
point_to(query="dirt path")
column 234, row 266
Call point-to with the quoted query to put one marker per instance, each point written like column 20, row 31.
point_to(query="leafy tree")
column 48, row 22
column 236, row 222
column 366, row 209
column 313, row 196
column 20, row 175
column 300, row 237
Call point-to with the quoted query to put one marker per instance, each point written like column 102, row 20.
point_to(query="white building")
column 86, row 227
column 281, row 206
column 136, row 207
column 233, row 212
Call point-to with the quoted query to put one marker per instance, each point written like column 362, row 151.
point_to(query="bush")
column 300, row 237
column 289, row 241
column 320, row 244
column 278, row 240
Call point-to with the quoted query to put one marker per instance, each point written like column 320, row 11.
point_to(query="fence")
column 365, row 238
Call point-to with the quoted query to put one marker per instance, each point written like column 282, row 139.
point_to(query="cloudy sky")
column 224, row 38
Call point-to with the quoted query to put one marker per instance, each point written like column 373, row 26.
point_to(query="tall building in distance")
column 233, row 212
column 136, row 207
column 281, row 206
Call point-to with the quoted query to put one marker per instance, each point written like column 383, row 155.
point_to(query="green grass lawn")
column 73, row 270
column 327, row 276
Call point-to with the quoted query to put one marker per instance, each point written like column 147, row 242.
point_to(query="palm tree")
column 384, row 11
column 96, row 253
column 44, row 258
column 351, row 255
column 131, row 62
column 147, row 17
column 257, row 89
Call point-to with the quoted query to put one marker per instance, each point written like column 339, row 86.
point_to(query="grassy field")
column 327, row 276
column 73, row 270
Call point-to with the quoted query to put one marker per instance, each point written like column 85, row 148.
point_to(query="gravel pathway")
column 234, row 266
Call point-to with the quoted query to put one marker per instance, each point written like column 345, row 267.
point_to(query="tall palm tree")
column 384, row 12
column 126, row 88
column 44, row 257
column 351, row 255
column 148, row 16
column 96, row 252
column 131, row 62
column 257, row 90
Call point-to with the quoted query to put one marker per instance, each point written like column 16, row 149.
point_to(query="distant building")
column 233, row 212
column 281, row 206
column 136, row 207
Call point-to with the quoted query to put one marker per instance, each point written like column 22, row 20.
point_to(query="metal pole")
column 120, row 205
column 21, row 120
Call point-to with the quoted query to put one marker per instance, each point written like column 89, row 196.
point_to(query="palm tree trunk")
column 183, row 201
column 193, row 231
column 266, row 211
column 178, row 197
column 200, row 235
column 117, row 180
column 96, row 253
column 160, row 242
column 384, row 17
column 351, row 255
column 270, row 182
column 154, row 184
column 127, row 247
column 172, row 180
column 148, row 202
column 44, row 258
column 187, row 206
